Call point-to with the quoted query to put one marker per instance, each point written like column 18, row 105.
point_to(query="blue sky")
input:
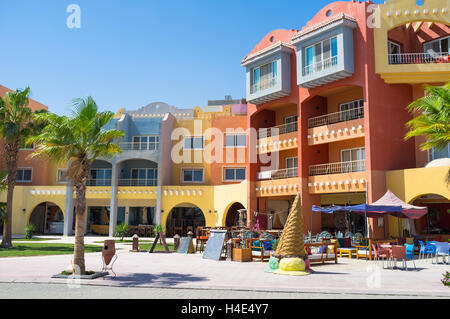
column 129, row 53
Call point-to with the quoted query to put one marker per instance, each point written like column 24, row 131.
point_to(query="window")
column 393, row 50
column 194, row 143
column 191, row 175
column 444, row 153
column 437, row 46
column 235, row 140
column 146, row 142
column 264, row 77
column 291, row 123
column 234, row 174
column 61, row 175
column 321, row 56
column 351, row 110
column 100, row 177
column 144, row 176
column 24, row 175
column 353, row 160
column 25, row 146
column 292, row 167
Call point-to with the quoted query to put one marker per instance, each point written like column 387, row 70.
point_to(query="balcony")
column 336, row 126
column 139, row 146
column 320, row 66
column 138, row 182
column 419, row 58
column 263, row 84
column 98, row 182
column 280, row 182
column 277, row 138
column 337, row 177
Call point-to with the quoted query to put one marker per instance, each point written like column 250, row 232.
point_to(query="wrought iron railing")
column 342, row 116
column 321, row 65
column 337, row 168
column 419, row 58
column 279, row 174
column 277, row 130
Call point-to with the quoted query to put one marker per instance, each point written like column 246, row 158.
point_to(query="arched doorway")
column 232, row 217
column 184, row 218
column 437, row 221
column 47, row 218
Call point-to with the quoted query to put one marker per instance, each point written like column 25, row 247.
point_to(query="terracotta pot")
column 108, row 251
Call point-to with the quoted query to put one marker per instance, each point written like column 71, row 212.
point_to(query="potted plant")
column 29, row 231
column 122, row 230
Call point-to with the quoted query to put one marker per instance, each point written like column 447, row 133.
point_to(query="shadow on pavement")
column 164, row 279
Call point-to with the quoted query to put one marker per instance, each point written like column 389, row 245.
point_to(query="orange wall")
column 334, row 149
column 348, row 95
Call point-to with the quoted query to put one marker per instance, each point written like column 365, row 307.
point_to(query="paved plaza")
column 350, row 277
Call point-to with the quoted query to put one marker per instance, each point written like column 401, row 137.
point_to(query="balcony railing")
column 263, row 84
column 419, row 58
column 319, row 66
column 342, row 116
column 278, row 130
column 98, row 182
column 279, row 174
column 337, row 168
column 138, row 182
column 140, row 146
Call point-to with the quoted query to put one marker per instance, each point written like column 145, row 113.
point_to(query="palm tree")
column 78, row 139
column 3, row 216
column 433, row 119
column 16, row 125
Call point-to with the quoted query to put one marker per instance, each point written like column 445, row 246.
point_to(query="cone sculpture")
column 291, row 244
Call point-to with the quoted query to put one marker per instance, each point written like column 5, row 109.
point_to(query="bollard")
column 176, row 242
column 135, row 247
column 190, row 234
column 230, row 250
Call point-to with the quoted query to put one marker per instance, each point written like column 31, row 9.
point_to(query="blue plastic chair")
column 410, row 253
column 427, row 250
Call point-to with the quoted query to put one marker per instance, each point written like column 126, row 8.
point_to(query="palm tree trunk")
column 11, row 151
column 80, row 223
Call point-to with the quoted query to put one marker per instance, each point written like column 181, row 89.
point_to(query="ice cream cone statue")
column 290, row 257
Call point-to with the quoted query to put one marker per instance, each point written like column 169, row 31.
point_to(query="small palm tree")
column 3, row 216
column 432, row 119
column 16, row 125
column 78, row 139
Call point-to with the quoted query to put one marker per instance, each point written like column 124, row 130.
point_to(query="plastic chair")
column 399, row 254
column 426, row 250
column 410, row 253
column 442, row 249
column 381, row 254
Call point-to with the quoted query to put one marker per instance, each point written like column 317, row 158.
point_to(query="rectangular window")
column 440, row 46
column 235, row 140
column 444, row 153
column 194, row 143
column 100, row 177
column 351, row 110
column 321, row 56
column 61, row 175
column 144, row 176
column 146, row 142
column 192, row 175
column 24, row 175
column 264, row 77
column 291, row 123
column 292, row 166
column 234, row 174
column 353, row 160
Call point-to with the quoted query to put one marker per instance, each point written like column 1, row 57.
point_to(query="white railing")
column 138, row 182
column 263, row 84
column 152, row 146
column 277, row 130
column 419, row 58
column 279, row 174
column 321, row 65
column 337, row 168
column 342, row 116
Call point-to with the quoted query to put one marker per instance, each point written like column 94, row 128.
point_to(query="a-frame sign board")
column 159, row 236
